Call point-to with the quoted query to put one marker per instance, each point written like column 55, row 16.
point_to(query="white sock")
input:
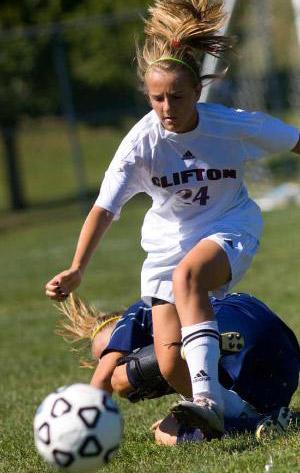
column 234, row 405
column 202, row 353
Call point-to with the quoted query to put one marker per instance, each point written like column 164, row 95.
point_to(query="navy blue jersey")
column 264, row 373
column 133, row 330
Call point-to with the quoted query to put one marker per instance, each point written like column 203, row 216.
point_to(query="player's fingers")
column 57, row 285
column 56, row 294
column 51, row 288
column 52, row 285
column 60, row 280
column 52, row 295
column 61, row 285
column 53, row 292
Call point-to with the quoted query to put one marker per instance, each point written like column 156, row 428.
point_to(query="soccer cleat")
column 202, row 413
column 274, row 425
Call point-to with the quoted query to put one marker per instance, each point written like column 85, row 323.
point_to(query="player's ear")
column 98, row 346
column 146, row 94
column 101, row 340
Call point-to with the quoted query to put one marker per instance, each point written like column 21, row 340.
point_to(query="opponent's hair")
column 184, row 30
column 78, row 323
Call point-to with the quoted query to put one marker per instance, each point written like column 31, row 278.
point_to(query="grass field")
column 35, row 361
column 46, row 162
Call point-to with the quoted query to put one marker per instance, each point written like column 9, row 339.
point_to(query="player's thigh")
column 207, row 264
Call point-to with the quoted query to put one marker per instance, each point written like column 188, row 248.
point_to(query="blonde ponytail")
column 79, row 322
column 183, row 30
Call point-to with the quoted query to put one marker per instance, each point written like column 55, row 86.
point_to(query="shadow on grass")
column 67, row 207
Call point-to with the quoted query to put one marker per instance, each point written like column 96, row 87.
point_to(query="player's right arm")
column 103, row 374
column 95, row 225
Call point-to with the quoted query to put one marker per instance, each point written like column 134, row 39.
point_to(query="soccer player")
column 258, row 370
column 202, row 230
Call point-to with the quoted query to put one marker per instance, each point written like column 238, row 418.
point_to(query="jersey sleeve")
column 271, row 136
column 123, row 179
column 133, row 330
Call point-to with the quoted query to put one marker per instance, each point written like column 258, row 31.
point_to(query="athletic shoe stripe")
column 200, row 336
column 202, row 331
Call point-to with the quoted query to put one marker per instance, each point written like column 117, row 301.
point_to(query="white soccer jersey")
column 195, row 179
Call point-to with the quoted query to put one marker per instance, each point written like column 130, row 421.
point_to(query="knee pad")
column 144, row 375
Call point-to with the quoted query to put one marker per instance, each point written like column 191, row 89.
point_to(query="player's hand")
column 59, row 287
column 165, row 431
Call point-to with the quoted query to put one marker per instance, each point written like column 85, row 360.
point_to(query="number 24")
column 202, row 196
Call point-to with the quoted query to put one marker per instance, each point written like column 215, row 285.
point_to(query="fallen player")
column 258, row 369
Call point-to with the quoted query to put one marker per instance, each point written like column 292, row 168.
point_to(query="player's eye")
column 157, row 98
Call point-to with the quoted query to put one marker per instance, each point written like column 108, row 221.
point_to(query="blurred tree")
column 98, row 37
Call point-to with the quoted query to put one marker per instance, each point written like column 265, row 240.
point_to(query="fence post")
column 68, row 111
column 12, row 164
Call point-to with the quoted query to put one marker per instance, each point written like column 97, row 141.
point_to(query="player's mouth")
column 170, row 120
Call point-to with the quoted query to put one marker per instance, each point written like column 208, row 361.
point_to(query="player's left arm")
column 296, row 149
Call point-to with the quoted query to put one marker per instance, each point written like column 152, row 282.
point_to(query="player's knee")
column 182, row 278
column 187, row 278
column 119, row 383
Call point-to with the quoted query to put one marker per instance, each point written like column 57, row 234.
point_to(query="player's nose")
column 168, row 107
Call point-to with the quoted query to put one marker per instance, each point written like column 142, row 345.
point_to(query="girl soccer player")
column 202, row 230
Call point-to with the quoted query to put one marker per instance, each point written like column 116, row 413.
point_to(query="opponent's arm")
column 135, row 376
column 95, row 225
column 102, row 377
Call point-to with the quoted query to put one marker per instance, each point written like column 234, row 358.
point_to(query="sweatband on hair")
column 178, row 61
column 100, row 326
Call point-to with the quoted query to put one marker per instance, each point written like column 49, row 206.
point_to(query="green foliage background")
column 99, row 37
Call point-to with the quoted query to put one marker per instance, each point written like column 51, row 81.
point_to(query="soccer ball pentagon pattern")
column 77, row 428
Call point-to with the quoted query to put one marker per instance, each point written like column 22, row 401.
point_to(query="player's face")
column 173, row 96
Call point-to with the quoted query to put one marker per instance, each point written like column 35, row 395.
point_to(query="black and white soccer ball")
column 78, row 428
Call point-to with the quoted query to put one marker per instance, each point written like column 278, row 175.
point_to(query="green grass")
column 47, row 164
column 35, row 361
